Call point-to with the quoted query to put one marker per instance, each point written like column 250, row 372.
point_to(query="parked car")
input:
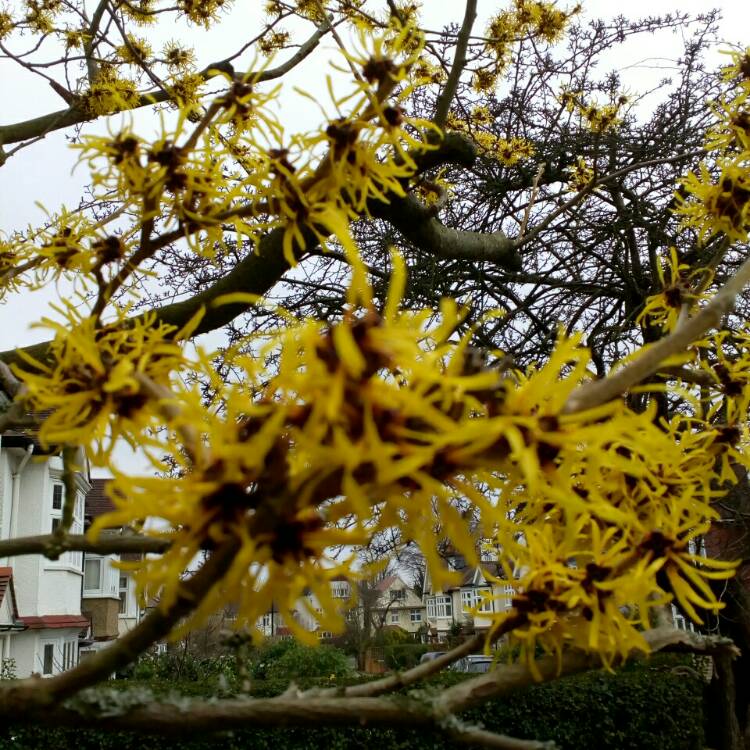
column 474, row 663
column 430, row 655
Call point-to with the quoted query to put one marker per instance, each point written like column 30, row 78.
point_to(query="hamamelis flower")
column 717, row 206
column 88, row 385
column 109, row 93
column 679, row 283
column 386, row 419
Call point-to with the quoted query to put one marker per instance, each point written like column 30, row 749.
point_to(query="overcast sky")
column 43, row 172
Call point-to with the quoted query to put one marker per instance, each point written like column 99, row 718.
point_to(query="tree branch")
column 108, row 544
column 64, row 118
column 459, row 63
column 260, row 270
column 599, row 392
column 512, row 677
column 141, row 712
column 416, row 222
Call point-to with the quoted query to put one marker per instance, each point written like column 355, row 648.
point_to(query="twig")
column 459, row 63
column 52, row 546
column 599, row 392
column 420, row 672
column 40, row 126
column 532, row 199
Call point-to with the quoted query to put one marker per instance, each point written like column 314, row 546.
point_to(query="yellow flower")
column 89, row 387
column 720, row 206
column 679, row 289
column 109, row 93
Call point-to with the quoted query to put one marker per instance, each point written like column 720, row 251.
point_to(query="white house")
column 108, row 594
column 464, row 603
column 398, row 605
column 41, row 622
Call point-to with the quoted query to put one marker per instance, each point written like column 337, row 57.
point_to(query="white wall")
column 4, row 494
column 22, row 649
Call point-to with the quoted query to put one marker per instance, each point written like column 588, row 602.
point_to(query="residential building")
column 108, row 595
column 41, row 623
column 398, row 605
column 469, row 602
column 391, row 603
column 54, row 611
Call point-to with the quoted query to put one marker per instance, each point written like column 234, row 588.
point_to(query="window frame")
column 124, row 608
column 90, row 560
column 48, row 647
column 73, row 558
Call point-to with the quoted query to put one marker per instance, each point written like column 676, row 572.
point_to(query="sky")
column 44, row 175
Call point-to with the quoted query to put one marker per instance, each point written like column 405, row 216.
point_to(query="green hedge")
column 644, row 707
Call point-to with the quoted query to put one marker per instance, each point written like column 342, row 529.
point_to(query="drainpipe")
column 16, row 491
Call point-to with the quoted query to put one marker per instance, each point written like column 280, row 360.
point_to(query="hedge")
column 643, row 707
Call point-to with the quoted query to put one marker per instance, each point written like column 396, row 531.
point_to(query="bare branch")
column 108, row 544
column 459, row 63
column 41, row 126
column 600, row 391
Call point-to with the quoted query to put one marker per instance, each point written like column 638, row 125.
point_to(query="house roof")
column 55, row 621
column 7, row 589
column 98, row 501
column 467, row 574
column 386, row 583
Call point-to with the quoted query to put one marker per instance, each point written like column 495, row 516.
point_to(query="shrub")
column 642, row 707
column 290, row 660
column 404, row 655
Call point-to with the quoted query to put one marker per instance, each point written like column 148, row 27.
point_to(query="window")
column 394, row 618
column 398, row 595
column 415, row 615
column 439, row 606
column 680, row 622
column 456, row 562
column 67, row 559
column 324, row 634
column 124, row 581
column 48, row 659
column 476, row 599
column 92, row 574
column 484, row 600
column 266, row 621
column 57, row 496
column 340, row 590
column 69, row 654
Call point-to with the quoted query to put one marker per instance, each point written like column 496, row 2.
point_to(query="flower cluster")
column 90, row 388
column 383, row 418
column 716, row 199
column 680, row 289
column 386, row 418
column 599, row 118
column 529, row 18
